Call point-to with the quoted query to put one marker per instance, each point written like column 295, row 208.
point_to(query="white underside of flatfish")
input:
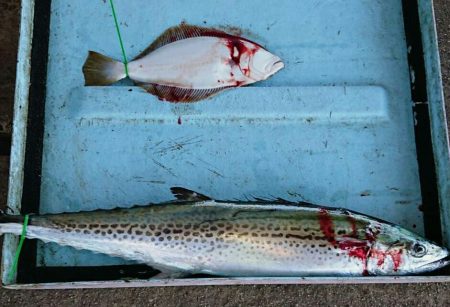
column 199, row 63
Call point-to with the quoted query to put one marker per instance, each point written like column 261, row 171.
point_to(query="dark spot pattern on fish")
column 306, row 237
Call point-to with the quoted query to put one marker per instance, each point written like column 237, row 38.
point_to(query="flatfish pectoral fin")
column 178, row 94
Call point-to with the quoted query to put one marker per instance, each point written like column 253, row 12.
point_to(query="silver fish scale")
column 203, row 239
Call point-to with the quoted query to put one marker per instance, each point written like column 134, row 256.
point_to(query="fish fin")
column 188, row 195
column 4, row 218
column 179, row 94
column 170, row 275
column 180, row 32
column 277, row 200
column 102, row 70
column 282, row 201
column 10, row 223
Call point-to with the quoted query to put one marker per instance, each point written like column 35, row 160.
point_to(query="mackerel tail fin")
column 101, row 70
column 10, row 223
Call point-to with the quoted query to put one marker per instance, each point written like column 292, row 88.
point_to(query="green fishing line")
column 13, row 270
column 125, row 61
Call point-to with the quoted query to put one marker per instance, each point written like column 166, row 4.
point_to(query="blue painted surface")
column 335, row 127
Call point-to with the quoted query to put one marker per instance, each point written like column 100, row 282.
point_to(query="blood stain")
column 352, row 222
column 326, row 226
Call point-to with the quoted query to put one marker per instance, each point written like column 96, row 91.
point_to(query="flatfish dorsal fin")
column 181, row 32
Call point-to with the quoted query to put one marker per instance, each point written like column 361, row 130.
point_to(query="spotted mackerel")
column 199, row 235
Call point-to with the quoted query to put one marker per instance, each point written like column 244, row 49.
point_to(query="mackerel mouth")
column 275, row 67
column 438, row 264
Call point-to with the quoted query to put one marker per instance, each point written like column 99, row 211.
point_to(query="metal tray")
column 355, row 120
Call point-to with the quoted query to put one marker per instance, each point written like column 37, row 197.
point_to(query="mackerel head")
column 199, row 235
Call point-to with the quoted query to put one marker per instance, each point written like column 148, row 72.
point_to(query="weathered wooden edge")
column 436, row 104
column 19, row 132
column 440, row 144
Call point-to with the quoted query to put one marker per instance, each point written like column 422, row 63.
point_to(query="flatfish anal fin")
column 188, row 195
column 179, row 94
column 181, row 32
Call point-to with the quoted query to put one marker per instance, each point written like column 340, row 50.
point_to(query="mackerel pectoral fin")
column 170, row 275
column 188, row 195
column 180, row 32
column 178, row 94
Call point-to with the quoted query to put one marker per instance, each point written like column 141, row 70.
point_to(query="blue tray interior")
column 335, row 127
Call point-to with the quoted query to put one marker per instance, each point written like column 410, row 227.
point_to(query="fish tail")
column 10, row 223
column 101, row 70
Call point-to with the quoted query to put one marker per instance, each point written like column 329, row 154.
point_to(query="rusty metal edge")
column 19, row 129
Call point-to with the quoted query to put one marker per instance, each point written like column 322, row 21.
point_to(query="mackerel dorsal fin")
column 180, row 32
column 188, row 195
column 277, row 200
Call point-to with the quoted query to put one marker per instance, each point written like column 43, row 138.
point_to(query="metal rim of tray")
column 433, row 150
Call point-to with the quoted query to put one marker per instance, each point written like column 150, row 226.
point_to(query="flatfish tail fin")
column 100, row 70
column 178, row 94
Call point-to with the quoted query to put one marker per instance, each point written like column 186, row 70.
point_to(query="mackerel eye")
column 418, row 250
